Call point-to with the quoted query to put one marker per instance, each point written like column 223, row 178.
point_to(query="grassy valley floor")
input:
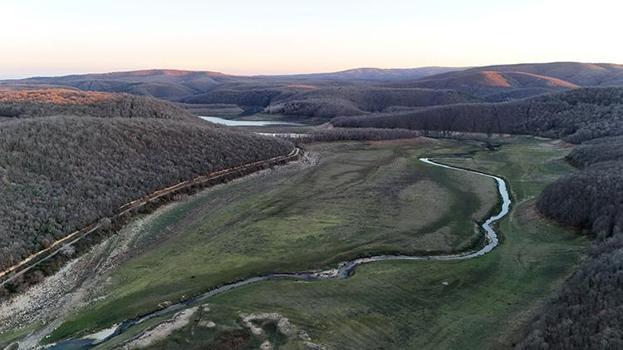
column 475, row 304
column 359, row 199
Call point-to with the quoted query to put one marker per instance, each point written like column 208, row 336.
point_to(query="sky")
column 56, row 37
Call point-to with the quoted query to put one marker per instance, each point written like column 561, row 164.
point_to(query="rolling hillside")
column 578, row 115
column 350, row 92
column 98, row 152
column 493, row 85
column 328, row 101
column 581, row 74
column 504, row 82
column 370, row 74
column 161, row 83
column 25, row 102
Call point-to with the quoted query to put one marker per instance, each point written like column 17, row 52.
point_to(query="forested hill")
column 309, row 100
column 587, row 312
column 20, row 103
column 576, row 116
column 63, row 172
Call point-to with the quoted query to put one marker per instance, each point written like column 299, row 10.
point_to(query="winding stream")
column 343, row 270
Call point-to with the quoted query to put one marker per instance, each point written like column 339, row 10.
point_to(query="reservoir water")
column 228, row 122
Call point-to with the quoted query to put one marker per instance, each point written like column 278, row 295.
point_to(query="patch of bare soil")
column 162, row 330
column 284, row 326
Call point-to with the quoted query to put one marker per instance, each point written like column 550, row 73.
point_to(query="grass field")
column 475, row 304
column 358, row 200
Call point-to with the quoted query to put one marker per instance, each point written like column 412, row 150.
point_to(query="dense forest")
column 576, row 116
column 586, row 313
column 337, row 101
column 19, row 103
column 356, row 134
column 591, row 199
column 595, row 151
column 61, row 173
column 87, row 153
column 325, row 101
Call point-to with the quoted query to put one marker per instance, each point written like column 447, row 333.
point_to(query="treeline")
column 593, row 197
column 352, row 100
column 576, row 116
column 587, row 313
column 59, row 174
column 605, row 149
column 327, row 107
column 48, row 102
column 328, row 135
column 326, row 101
column 245, row 96
column 590, row 199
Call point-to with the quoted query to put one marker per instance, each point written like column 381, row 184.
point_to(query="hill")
column 581, row 74
column 161, row 83
column 369, row 74
column 62, row 172
column 505, row 82
column 24, row 102
column 327, row 101
column 586, row 312
column 328, row 95
column 578, row 115
column 495, row 86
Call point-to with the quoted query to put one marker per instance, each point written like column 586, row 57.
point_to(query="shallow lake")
column 228, row 122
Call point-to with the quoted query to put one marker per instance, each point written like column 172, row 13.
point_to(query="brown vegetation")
column 493, row 85
column 69, row 158
column 505, row 82
column 55, row 101
column 62, row 173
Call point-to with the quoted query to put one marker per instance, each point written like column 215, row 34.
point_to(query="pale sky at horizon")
column 42, row 37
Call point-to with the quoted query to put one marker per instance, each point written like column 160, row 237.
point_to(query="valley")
column 213, row 238
column 311, row 175
column 370, row 209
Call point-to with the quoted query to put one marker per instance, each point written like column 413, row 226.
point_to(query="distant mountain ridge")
column 262, row 93
column 581, row 74
column 137, row 75
column 162, row 83
column 372, row 74
column 503, row 82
